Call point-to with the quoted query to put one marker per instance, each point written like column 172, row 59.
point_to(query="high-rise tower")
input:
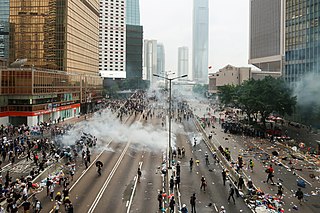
column 200, row 41
column 267, row 34
column 150, row 60
column 160, row 59
column 134, row 42
column 183, row 61
column 112, row 42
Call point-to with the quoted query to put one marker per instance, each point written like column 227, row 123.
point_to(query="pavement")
column 286, row 172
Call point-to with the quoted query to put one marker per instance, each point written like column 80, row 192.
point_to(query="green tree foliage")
column 260, row 96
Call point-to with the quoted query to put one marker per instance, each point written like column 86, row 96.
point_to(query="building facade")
column 112, row 42
column 149, row 60
column 56, row 74
column 236, row 76
column 302, row 39
column 200, row 41
column 183, row 61
column 161, row 69
column 133, row 12
column 4, row 31
column 266, row 49
column 134, row 44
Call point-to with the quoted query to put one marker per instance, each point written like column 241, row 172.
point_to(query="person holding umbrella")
column 99, row 164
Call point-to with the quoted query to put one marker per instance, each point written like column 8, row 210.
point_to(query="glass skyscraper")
column 302, row 39
column 4, row 29
column 133, row 12
column 200, row 41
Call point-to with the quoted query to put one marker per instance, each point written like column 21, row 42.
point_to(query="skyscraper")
column 267, row 34
column 183, row 61
column 200, row 41
column 4, row 30
column 133, row 12
column 112, row 42
column 150, row 60
column 302, row 39
column 160, row 59
column 58, row 41
column 134, row 42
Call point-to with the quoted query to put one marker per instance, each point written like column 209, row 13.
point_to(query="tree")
column 260, row 96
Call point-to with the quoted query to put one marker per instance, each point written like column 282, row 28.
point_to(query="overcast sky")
column 170, row 22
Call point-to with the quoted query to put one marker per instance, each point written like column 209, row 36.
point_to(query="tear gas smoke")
column 308, row 90
column 106, row 127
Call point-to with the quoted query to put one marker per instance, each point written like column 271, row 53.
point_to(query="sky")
column 170, row 22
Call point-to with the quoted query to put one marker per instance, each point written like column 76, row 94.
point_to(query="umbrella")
column 99, row 163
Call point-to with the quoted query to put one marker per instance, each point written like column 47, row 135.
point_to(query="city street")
column 258, row 149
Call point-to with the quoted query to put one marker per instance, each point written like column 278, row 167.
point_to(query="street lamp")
column 170, row 80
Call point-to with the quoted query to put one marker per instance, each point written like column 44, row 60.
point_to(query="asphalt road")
column 117, row 189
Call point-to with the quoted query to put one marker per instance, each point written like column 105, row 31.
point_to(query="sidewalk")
column 256, row 149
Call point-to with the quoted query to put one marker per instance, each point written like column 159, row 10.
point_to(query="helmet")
column 184, row 205
column 222, row 207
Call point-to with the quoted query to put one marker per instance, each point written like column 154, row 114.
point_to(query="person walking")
column 193, row 203
column 184, row 209
column 299, row 195
column 231, row 193
column 203, row 183
column 270, row 172
column 240, row 182
column 139, row 174
column 191, row 164
column 251, row 164
column 172, row 204
column 160, row 199
column 178, row 169
column 224, row 176
column 280, row 190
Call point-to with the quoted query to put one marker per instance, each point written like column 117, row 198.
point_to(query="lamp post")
column 170, row 80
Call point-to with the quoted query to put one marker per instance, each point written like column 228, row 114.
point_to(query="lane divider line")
column 134, row 188
column 105, row 185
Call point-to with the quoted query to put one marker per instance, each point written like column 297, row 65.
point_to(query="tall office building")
column 58, row 74
column 134, row 42
column 150, row 60
column 4, row 31
column 267, row 34
column 160, row 59
column 183, row 61
column 302, row 39
column 112, row 42
column 200, row 41
column 133, row 12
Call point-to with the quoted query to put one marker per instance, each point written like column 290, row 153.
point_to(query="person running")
column 193, row 203
column 231, row 193
column 270, row 172
column 191, row 164
column 299, row 195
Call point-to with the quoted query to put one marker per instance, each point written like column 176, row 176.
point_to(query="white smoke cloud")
column 106, row 127
column 308, row 90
